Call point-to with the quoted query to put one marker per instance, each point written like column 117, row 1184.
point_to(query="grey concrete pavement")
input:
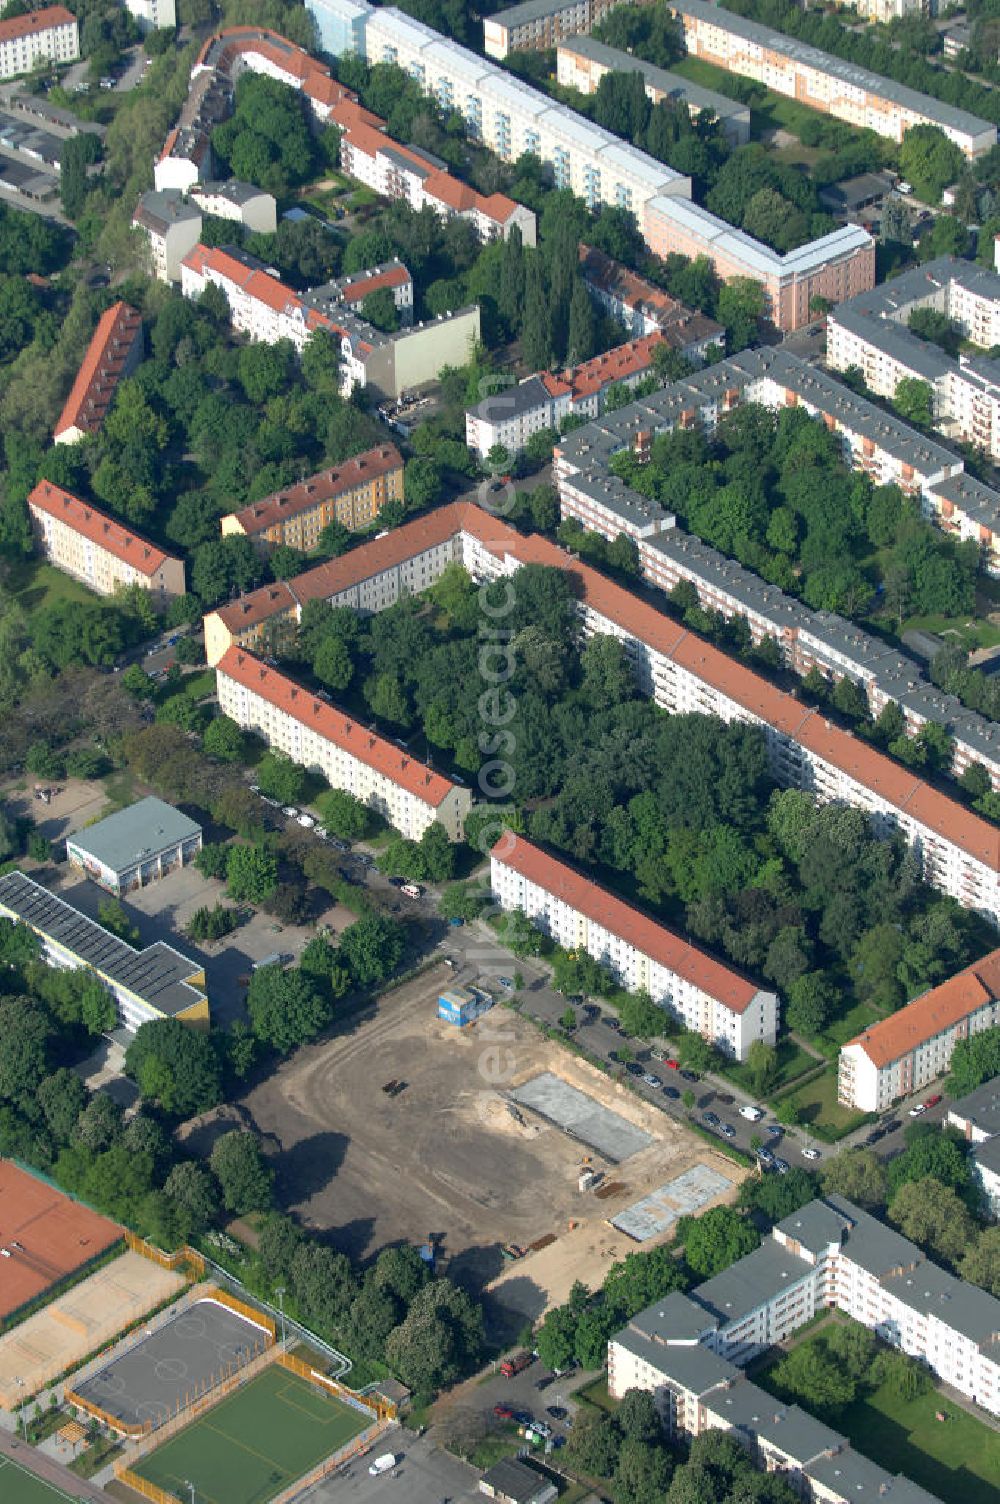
column 425, row 1474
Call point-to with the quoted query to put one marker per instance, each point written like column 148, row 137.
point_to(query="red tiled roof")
column 257, row 284
column 238, row 41
column 34, row 21
column 614, row 365
column 334, row 726
column 101, row 370
column 260, row 515
column 98, row 527
column 907, row 793
column 358, row 288
column 678, row 955
column 937, row 1010
column 634, row 291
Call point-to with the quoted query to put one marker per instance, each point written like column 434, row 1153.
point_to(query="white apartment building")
column 99, row 550
column 264, row 309
column 240, row 202
column 905, row 1052
column 368, row 153
column 316, row 735
column 172, row 227
column 986, row 1164
column 542, row 402
column 40, row 36
column 871, row 332
column 724, row 1007
column 960, row 852
column 821, row 81
column 538, row 24
column 153, row 14
column 688, row 1350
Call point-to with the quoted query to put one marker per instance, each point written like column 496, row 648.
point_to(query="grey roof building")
column 978, row 1114
column 513, row 1482
column 157, row 982
column 136, row 845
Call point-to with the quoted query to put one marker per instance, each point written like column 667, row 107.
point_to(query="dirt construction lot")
column 450, row 1156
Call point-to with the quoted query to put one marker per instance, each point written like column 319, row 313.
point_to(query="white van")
column 752, row 1114
column 383, row 1464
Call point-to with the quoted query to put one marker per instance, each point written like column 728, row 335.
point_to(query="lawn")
column 17, row 1486
column 773, row 112
column 255, row 1443
column 820, row 1111
column 35, row 585
column 958, row 1460
column 793, row 1062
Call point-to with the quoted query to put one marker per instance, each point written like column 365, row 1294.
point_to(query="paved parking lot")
column 425, row 1475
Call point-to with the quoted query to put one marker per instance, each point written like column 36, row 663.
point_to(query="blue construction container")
column 463, row 1005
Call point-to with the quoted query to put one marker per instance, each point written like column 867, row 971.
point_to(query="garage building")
column 135, row 846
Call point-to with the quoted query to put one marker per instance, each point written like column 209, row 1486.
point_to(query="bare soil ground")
column 448, row 1157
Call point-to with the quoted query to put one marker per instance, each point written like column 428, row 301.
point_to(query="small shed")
column 513, row 1482
column 463, row 1005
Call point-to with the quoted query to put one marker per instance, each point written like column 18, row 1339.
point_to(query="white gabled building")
column 715, row 1001
column 50, row 35
column 913, row 1046
column 403, row 790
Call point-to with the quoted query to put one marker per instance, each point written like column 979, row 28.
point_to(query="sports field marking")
column 18, row 1486
column 254, row 1443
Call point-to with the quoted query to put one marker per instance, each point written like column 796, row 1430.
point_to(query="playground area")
column 45, row 1235
column 167, row 1369
column 79, row 1322
column 255, row 1443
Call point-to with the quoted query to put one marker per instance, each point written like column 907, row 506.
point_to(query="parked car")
column 689, row 1075
column 934, row 1100
column 503, row 1412
column 711, row 1118
column 321, row 832
column 781, row 1165
column 396, row 882
column 633, row 1068
column 672, row 1093
column 306, row 821
column 545, row 1381
column 893, row 1125
column 727, row 1130
column 916, row 1111
column 255, row 788
column 724, row 1096
column 456, row 923
column 557, row 1412
column 657, row 1055
column 652, row 1080
column 810, row 1154
column 672, row 1065
column 290, row 811
column 506, row 981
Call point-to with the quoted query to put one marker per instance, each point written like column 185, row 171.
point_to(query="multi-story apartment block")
column 821, row 81
column 241, row 202
column 43, row 36
column 542, row 402
column 582, row 61
column 959, row 852
column 688, row 1350
column 511, row 118
column 368, row 153
column 901, row 1054
column 538, row 25
column 172, row 227
column 99, row 550
column 871, row 332
column 113, row 353
column 885, row 11
column 886, row 449
column 265, row 309
column 350, row 291
column 703, row 994
column 643, row 308
column 352, row 494
column 156, row 982
column 977, row 1116
column 153, row 14
column 404, row 791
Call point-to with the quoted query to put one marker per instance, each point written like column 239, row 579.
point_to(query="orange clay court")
column 44, row 1236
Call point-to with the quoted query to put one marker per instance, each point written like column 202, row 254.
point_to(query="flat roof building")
column 582, row 61
column 135, row 846
column 156, row 982
column 537, row 25
column 821, row 81
column 977, row 1115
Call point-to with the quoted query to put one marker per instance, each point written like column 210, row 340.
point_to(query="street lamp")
column 190, row 1485
column 280, row 1293
column 20, row 1407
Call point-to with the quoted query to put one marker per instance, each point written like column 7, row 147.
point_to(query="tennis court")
column 20, row 1487
column 255, row 1443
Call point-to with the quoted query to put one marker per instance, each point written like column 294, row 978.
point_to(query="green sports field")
column 253, row 1444
column 20, row 1487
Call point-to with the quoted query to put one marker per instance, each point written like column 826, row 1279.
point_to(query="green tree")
column 914, row 400
column 640, row 1016
column 857, row 1175
column 25, row 1037
column 175, row 1065
column 809, row 1373
column 929, row 161
column 440, row 1339
column 811, row 999
column 343, row 814
column 193, row 1192
column 251, row 873
column 643, row 1473
column 933, row 1215
column 245, row 1178
column 280, row 778
column 61, row 1097
column 224, row 740
column 371, row 949
column 285, row 1007
column 379, row 308
column 332, row 663
column 716, row 1239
